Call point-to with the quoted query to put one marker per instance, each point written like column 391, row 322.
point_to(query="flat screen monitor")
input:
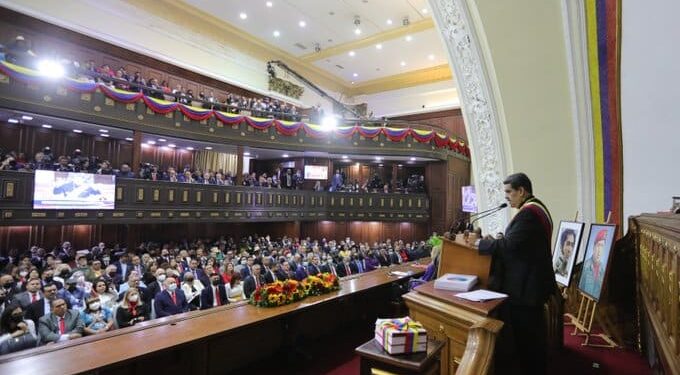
column 316, row 172
column 73, row 191
column 469, row 199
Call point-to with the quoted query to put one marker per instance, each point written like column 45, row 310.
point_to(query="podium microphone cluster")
column 480, row 215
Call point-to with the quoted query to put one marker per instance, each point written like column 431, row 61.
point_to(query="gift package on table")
column 401, row 336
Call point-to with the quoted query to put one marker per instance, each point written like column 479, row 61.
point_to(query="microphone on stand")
column 483, row 214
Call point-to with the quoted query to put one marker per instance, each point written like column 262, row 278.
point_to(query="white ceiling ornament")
column 489, row 162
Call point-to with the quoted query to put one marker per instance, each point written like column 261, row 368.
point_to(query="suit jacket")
column 301, row 273
column 154, row 288
column 342, row 272
column 165, row 306
column 24, row 298
column 269, row 276
column 521, row 264
column 282, row 275
column 249, row 285
column 314, row 270
column 207, row 300
column 48, row 326
column 119, row 270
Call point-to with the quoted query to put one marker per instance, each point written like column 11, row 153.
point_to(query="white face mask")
column 23, row 273
column 95, row 306
column 133, row 298
column 172, row 287
column 160, row 278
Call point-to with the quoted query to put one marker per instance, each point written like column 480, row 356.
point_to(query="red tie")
column 33, row 297
column 217, row 296
column 174, row 298
column 257, row 282
column 62, row 326
column 349, row 272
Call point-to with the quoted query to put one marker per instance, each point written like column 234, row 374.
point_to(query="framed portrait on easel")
column 566, row 250
column 596, row 259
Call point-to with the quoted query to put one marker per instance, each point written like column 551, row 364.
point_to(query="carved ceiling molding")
column 476, row 92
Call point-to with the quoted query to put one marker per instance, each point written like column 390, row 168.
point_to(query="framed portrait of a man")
column 595, row 262
column 566, row 250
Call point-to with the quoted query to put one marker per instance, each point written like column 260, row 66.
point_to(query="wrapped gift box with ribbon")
column 400, row 336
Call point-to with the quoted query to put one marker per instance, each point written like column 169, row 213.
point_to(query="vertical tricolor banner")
column 603, row 23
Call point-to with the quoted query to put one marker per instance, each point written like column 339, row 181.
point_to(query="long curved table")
column 209, row 341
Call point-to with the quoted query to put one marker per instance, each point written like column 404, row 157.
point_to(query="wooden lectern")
column 467, row 329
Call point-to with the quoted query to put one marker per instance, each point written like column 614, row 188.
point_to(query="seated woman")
column 430, row 271
column 16, row 333
column 228, row 273
column 97, row 319
column 132, row 309
column 106, row 294
column 235, row 288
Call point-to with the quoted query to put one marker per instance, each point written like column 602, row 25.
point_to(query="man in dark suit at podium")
column 521, row 267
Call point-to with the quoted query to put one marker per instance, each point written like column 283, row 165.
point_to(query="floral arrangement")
column 320, row 284
column 286, row 88
column 281, row 293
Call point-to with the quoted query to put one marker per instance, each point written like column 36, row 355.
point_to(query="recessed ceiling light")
column 413, row 158
column 380, row 165
column 424, row 10
column 285, row 155
column 378, row 46
column 389, row 21
column 13, row 121
column 172, row 145
column 269, row 4
column 103, row 131
column 352, row 53
column 151, row 142
column 400, row 165
column 246, row 153
column 403, row 63
column 242, row 15
column 344, row 156
column 208, row 148
column 408, row 38
column 357, row 31
column 378, row 158
column 430, row 56
column 277, row 33
column 355, row 75
column 302, row 23
column 77, row 131
column 104, row 135
column 162, row 139
column 47, row 126
column 129, row 139
column 190, row 148
column 27, row 118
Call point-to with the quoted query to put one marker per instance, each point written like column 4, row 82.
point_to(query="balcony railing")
column 143, row 201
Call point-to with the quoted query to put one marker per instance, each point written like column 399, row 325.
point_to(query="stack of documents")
column 481, row 295
column 455, row 282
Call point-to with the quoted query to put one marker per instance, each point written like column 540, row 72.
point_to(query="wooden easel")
column 583, row 321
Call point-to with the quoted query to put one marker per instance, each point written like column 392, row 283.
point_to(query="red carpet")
column 336, row 357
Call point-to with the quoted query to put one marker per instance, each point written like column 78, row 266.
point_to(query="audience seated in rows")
column 60, row 294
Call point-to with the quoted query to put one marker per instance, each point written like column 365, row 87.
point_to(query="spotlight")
column 27, row 118
column 246, row 153
column 208, row 148
column 77, row 131
column 13, row 121
column 129, row 139
column 51, row 69
column 172, row 145
column 190, row 148
column 151, row 142
column 285, row 155
column 47, row 126
column 329, row 123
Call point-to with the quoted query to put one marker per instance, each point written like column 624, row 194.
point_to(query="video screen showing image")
column 316, row 172
column 73, row 191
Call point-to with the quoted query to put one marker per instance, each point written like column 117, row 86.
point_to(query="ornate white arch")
column 480, row 101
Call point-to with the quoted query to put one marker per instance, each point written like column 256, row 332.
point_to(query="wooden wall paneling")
column 11, row 137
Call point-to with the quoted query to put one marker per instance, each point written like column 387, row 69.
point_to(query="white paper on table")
column 481, row 295
column 400, row 273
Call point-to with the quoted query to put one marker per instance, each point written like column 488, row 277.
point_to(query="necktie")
column 174, row 298
column 273, row 275
column 333, row 271
column 217, row 296
column 347, row 270
column 62, row 326
column 257, row 282
column 33, row 297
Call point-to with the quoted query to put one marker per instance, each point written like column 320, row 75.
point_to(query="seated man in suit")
column 198, row 273
column 346, row 268
column 61, row 324
column 314, row 268
column 214, row 295
column 284, row 272
column 270, row 268
column 171, row 301
column 32, row 293
column 252, row 282
column 157, row 286
column 41, row 307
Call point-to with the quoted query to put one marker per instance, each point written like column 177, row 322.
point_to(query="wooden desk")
column 211, row 341
column 374, row 356
column 467, row 329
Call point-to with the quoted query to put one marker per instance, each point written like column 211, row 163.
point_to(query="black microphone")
column 486, row 213
column 490, row 209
